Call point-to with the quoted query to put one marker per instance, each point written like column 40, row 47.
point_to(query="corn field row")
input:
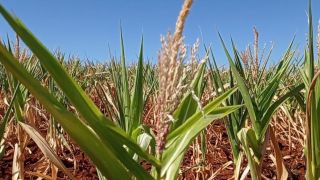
column 157, row 120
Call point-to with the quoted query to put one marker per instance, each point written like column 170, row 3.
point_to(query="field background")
column 183, row 116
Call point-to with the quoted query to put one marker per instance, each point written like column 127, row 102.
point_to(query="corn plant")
column 236, row 120
column 125, row 105
column 310, row 75
column 129, row 105
column 101, row 139
column 89, row 112
column 260, row 106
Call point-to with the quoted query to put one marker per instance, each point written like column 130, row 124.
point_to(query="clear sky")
column 88, row 27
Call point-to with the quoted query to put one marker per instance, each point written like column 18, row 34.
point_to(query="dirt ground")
column 218, row 154
column 217, row 164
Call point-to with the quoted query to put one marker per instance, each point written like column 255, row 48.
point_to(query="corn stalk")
column 312, row 98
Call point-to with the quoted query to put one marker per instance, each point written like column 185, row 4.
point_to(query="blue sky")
column 87, row 28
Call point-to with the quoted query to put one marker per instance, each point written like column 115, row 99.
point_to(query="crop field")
column 181, row 117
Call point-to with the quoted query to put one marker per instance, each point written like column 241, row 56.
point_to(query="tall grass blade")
column 82, row 134
column 137, row 103
column 108, row 132
column 125, row 87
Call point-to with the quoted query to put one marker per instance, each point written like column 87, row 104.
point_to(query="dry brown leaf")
column 45, row 148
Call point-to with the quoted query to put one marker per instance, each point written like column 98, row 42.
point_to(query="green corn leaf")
column 267, row 116
column 272, row 86
column 243, row 88
column 196, row 124
column 100, row 176
column 244, row 138
column 188, row 105
column 173, row 169
column 237, row 60
column 186, row 109
column 108, row 132
column 253, row 142
column 264, row 66
column 137, row 104
column 124, row 86
column 82, row 134
column 300, row 99
column 309, row 63
column 194, row 118
column 182, row 142
column 312, row 144
column 218, row 84
column 237, row 119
